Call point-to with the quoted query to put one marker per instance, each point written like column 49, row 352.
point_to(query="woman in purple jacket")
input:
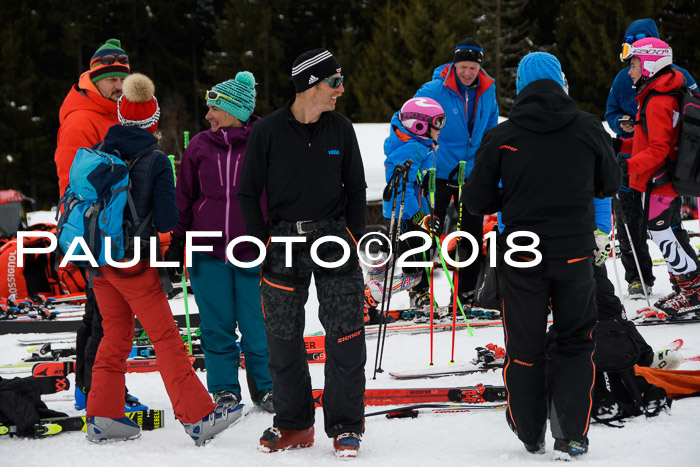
column 207, row 199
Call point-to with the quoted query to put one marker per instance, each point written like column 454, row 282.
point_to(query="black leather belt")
column 305, row 227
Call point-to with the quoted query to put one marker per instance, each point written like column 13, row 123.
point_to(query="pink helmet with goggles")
column 419, row 114
column 654, row 54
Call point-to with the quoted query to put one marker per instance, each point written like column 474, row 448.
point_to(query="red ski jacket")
column 650, row 151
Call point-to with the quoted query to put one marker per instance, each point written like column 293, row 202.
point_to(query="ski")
column 440, row 372
column 412, row 411
column 398, row 396
column 488, row 358
column 399, row 327
column 52, row 384
column 147, row 419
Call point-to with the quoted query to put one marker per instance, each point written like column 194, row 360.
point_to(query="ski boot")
column 132, row 404
column 372, row 315
column 217, row 421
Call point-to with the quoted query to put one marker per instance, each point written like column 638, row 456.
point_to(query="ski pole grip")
column 395, row 177
column 407, row 170
column 172, row 164
column 461, row 168
column 186, row 134
column 431, row 180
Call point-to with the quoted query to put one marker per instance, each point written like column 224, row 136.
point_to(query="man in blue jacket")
column 622, row 107
column 468, row 96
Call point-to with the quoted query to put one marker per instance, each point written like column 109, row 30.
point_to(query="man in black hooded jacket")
column 552, row 159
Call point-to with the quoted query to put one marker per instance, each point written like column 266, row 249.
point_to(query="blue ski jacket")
column 456, row 143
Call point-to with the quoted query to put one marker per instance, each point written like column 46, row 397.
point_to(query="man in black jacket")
column 306, row 158
column 552, row 159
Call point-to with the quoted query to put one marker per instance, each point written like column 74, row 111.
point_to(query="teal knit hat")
column 236, row 96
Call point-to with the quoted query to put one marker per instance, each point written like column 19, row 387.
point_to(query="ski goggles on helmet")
column 111, row 58
column 213, row 95
column 629, row 51
column 438, row 122
column 634, row 38
column 334, row 82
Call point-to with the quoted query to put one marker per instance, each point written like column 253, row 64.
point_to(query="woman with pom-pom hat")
column 136, row 289
column 228, row 296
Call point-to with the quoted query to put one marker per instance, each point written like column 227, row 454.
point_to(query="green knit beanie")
column 237, row 96
column 109, row 60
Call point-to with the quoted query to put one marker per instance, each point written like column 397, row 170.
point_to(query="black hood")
column 542, row 107
column 128, row 141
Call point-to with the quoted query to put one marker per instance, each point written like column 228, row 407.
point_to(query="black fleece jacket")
column 309, row 172
column 552, row 159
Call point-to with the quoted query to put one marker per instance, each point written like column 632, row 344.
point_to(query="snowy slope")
column 479, row 438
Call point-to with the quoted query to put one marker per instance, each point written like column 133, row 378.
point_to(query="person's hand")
column 430, row 224
column 617, row 144
column 622, row 161
column 627, row 127
column 603, row 247
column 175, row 252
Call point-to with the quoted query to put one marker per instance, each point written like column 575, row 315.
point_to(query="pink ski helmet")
column 654, row 54
column 418, row 114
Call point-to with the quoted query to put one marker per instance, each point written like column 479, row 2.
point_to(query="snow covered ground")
column 478, row 438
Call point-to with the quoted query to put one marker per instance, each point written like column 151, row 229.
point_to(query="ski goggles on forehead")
column 111, row 58
column 629, row 51
column 633, row 38
column 213, row 95
column 334, row 82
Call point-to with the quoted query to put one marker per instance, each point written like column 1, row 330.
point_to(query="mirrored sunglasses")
column 630, row 39
column 111, row 58
column 334, row 82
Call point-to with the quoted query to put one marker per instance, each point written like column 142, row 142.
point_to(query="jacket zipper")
column 235, row 170
column 218, row 161
column 228, row 194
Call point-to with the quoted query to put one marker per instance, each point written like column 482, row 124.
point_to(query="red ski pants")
column 121, row 294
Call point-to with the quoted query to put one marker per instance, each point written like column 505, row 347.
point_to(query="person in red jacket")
column 86, row 114
column 652, row 148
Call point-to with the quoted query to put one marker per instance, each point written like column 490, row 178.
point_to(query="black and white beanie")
column 311, row 67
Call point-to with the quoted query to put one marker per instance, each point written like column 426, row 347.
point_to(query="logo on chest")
column 333, row 152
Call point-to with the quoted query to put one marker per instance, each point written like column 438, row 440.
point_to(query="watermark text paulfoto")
column 79, row 252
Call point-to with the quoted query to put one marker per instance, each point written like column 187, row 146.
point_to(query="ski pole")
column 634, row 252
column 460, row 181
column 184, row 270
column 404, row 182
column 614, row 255
column 431, row 207
column 390, row 193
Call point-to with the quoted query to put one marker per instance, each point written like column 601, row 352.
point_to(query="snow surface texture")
column 477, row 438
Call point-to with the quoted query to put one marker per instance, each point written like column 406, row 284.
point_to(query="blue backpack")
column 93, row 205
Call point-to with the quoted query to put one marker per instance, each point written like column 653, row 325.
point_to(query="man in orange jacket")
column 90, row 107
column 86, row 114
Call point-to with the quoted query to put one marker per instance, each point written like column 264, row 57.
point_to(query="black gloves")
column 617, row 144
column 430, row 224
column 175, row 252
column 622, row 161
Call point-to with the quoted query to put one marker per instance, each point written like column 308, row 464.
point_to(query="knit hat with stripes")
column 109, row 60
column 311, row 67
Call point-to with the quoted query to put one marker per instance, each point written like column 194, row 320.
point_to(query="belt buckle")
column 300, row 227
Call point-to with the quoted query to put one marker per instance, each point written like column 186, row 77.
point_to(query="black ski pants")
column 340, row 293
column 474, row 225
column 526, row 295
column 88, row 338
